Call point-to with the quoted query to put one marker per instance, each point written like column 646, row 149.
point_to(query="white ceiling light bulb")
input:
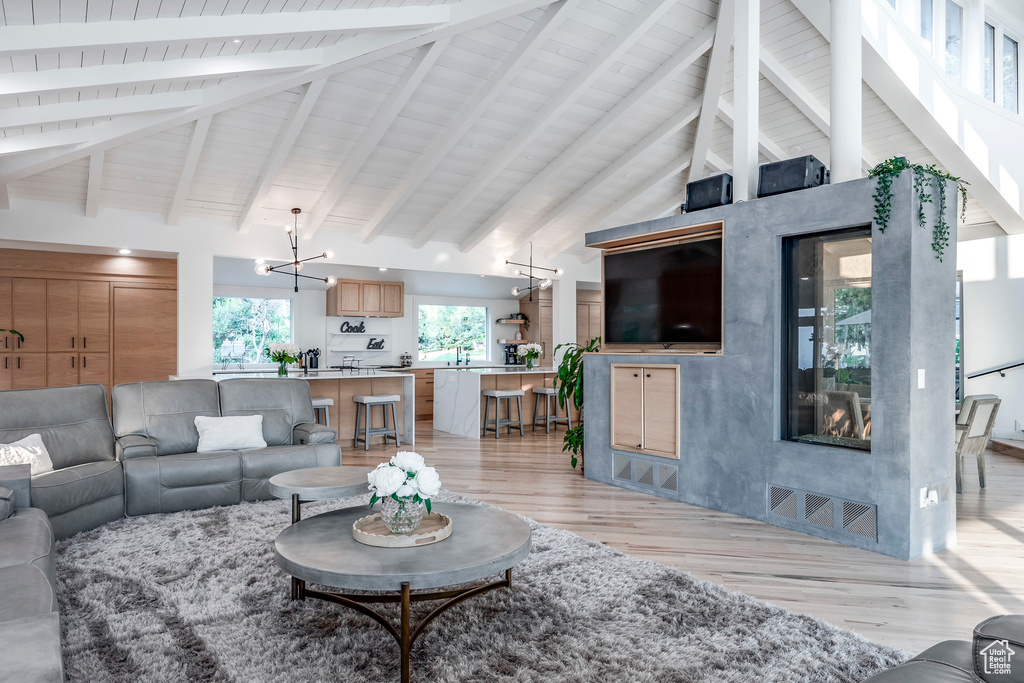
column 517, row 272
column 516, row 291
column 262, row 269
column 559, row 271
column 288, row 229
column 382, row 269
column 328, row 254
column 298, row 266
column 545, row 283
column 331, row 280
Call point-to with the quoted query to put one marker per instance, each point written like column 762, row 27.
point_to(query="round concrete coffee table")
column 485, row 541
column 318, row 483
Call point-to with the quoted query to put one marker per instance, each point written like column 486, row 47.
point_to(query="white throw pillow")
column 230, row 433
column 28, row 451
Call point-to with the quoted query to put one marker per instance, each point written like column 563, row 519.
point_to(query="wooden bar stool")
column 321, row 410
column 498, row 395
column 550, row 412
column 363, row 405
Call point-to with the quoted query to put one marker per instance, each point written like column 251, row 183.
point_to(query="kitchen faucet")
column 458, row 355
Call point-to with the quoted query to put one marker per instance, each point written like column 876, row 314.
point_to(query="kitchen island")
column 458, row 405
column 342, row 385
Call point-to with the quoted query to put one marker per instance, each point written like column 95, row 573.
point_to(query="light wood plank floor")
column 905, row 604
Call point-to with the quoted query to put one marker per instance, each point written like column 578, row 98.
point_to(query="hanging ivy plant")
column 925, row 178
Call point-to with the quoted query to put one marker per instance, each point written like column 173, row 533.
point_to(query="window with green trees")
column 443, row 328
column 244, row 327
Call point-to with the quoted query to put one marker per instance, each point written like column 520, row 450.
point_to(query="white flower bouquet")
column 283, row 353
column 530, row 352
column 404, row 477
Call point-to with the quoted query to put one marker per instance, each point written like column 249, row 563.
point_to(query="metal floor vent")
column 645, row 474
column 818, row 510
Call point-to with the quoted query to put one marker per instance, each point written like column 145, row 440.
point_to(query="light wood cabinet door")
column 661, row 410
column 145, row 344
column 62, row 316
column 371, row 298
column 28, row 314
column 349, row 298
column 61, row 369
column 29, row 370
column 394, row 300
column 627, row 408
column 95, row 369
column 94, row 317
column 6, row 372
column 582, row 324
column 5, row 314
column 595, row 321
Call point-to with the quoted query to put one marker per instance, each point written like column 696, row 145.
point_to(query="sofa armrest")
column 311, row 432
column 135, row 446
column 18, row 478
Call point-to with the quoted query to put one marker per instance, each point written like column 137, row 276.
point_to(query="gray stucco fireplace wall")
column 732, row 455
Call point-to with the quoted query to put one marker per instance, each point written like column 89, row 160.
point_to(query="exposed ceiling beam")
column 19, row 144
column 5, row 198
column 188, row 168
column 609, row 53
column 374, row 133
column 496, row 84
column 84, row 110
column 28, row 82
column 282, row 148
column 358, row 51
column 768, row 147
column 675, row 65
column 95, row 185
column 682, row 118
column 713, row 80
column 32, row 40
column 661, row 209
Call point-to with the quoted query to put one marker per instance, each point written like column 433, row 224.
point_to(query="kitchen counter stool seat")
column 507, row 395
column 363, row 404
column 321, row 406
column 550, row 416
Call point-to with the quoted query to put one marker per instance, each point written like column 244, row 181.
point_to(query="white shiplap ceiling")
column 486, row 123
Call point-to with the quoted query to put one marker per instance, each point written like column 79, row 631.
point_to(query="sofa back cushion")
column 283, row 403
column 73, row 422
column 165, row 412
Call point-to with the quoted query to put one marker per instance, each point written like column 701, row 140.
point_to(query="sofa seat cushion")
column 25, row 591
column 197, row 469
column 31, row 650
column 27, row 539
column 70, row 488
column 259, row 465
column 188, row 481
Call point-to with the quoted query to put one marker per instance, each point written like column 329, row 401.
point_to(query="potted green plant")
column 569, row 384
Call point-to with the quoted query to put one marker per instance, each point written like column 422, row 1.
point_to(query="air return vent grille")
column 645, row 474
column 811, row 511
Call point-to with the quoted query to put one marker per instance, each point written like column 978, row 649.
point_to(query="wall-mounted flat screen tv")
column 665, row 295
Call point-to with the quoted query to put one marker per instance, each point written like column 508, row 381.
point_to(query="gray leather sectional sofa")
column 152, row 466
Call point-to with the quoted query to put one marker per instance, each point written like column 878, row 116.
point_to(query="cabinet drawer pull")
column 19, row 362
column 83, row 342
column 84, row 361
column 635, row 374
column 5, row 362
column 72, row 342
column 648, row 374
column 72, row 361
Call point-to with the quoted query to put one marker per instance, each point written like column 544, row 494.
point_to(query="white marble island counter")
column 458, row 408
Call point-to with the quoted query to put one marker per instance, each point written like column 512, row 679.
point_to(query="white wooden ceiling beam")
column 682, row 118
column 794, row 91
column 660, row 210
column 766, row 145
column 95, row 185
column 374, row 133
column 609, row 53
column 5, row 198
column 188, row 168
column 496, row 84
column 712, row 93
column 676, row 64
column 40, row 38
column 358, row 51
column 282, row 148
column 43, row 142
column 84, row 110
column 29, row 82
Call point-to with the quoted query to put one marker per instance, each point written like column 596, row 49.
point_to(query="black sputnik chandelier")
column 543, row 282
column 295, row 265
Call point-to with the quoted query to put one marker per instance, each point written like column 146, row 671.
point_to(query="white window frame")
column 232, row 292
column 489, row 338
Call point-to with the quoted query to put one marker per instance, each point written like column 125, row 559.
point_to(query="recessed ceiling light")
column 483, row 276
column 139, row 176
column 236, row 40
column 794, row 149
column 124, row 252
column 563, row 50
column 628, row 175
column 623, row 69
column 382, row 269
column 813, row 54
column 891, row 138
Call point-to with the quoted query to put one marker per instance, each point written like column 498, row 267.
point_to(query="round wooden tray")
column 370, row 530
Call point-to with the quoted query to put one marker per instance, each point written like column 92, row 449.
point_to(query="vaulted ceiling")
column 485, row 123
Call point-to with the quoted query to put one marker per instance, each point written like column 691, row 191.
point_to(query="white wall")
column 197, row 241
column 993, row 310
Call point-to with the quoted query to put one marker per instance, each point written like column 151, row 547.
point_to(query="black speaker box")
column 708, row 192
column 791, row 175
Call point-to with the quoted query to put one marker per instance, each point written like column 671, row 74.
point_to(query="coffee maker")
column 511, row 357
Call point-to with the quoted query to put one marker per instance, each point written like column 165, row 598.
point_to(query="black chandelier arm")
column 527, row 265
column 312, row 258
column 289, row 273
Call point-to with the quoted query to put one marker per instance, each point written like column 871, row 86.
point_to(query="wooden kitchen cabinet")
column 365, row 299
column 645, row 409
column 95, row 369
column 145, row 334
column 61, row 369
column 588, row 315
column 6, row 372
column 424, row 393
column 540, row 311
column 28, row 314
column 77, row 316
column 29, row 370
column 5, row 316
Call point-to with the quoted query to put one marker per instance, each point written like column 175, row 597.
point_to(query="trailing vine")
column 925, row 177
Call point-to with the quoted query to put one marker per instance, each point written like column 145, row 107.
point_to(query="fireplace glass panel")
column 827, row 374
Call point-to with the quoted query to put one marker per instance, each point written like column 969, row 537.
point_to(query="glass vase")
column 282, row 369
column 401, row 516
column 529, row 362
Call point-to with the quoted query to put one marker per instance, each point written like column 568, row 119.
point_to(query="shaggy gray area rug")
column 196, row 596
